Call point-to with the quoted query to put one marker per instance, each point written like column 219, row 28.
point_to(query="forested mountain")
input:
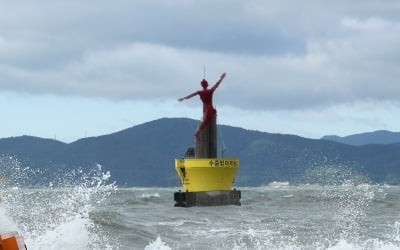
column 376, row 137
column 144, row 155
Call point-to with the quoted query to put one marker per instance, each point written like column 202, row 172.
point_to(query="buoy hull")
column 206, row 174
column 207, row 182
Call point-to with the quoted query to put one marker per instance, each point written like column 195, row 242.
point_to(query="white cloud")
column 371, row 24
column 277, row 56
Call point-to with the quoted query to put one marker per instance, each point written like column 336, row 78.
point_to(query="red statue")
column 206, row 97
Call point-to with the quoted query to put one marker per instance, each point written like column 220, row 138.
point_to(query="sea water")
column 85, row 211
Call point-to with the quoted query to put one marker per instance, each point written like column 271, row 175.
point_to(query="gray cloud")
column 277, row 55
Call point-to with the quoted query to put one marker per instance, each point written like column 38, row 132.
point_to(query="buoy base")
column 207, row 198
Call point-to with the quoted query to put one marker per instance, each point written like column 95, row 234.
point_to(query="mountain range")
column 376, row 137
column 144, row 155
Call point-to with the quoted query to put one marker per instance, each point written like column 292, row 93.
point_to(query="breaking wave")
column 59, row 215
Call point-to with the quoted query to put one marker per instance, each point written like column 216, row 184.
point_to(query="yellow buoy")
column 206, row 174
column 206, row 179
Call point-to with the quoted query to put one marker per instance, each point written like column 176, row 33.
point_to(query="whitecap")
column 277, row 184
column 158, row 244
column 150, row 195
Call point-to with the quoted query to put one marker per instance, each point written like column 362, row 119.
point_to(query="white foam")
column 158, row 244
column 6, row 223
column 277, row 184
column 368, row 244
column 288, row 196
column 72, row 234
column 149, row 195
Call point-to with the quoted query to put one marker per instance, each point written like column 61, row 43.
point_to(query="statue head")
column 204, row 83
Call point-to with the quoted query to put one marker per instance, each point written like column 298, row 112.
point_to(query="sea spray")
column 158, row 244
column 6, row 223
column 57, row 216
column 350, row 204
column 333, row 175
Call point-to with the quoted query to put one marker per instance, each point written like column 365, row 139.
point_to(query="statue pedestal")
column 206, row 142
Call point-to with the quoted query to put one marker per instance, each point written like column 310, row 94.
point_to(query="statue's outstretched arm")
column 188, row 96
column 218, row 82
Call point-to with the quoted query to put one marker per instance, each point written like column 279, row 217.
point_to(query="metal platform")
column 208, row 198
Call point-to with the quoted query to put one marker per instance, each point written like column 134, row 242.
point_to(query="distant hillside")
column 377, row 137
column 144, row 155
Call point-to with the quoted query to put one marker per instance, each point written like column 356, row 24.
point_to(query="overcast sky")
column 72, row 69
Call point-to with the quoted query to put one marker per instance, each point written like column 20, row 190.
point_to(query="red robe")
column 208, row 110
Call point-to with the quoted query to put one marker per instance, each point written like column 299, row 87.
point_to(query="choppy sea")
column 85, row 211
